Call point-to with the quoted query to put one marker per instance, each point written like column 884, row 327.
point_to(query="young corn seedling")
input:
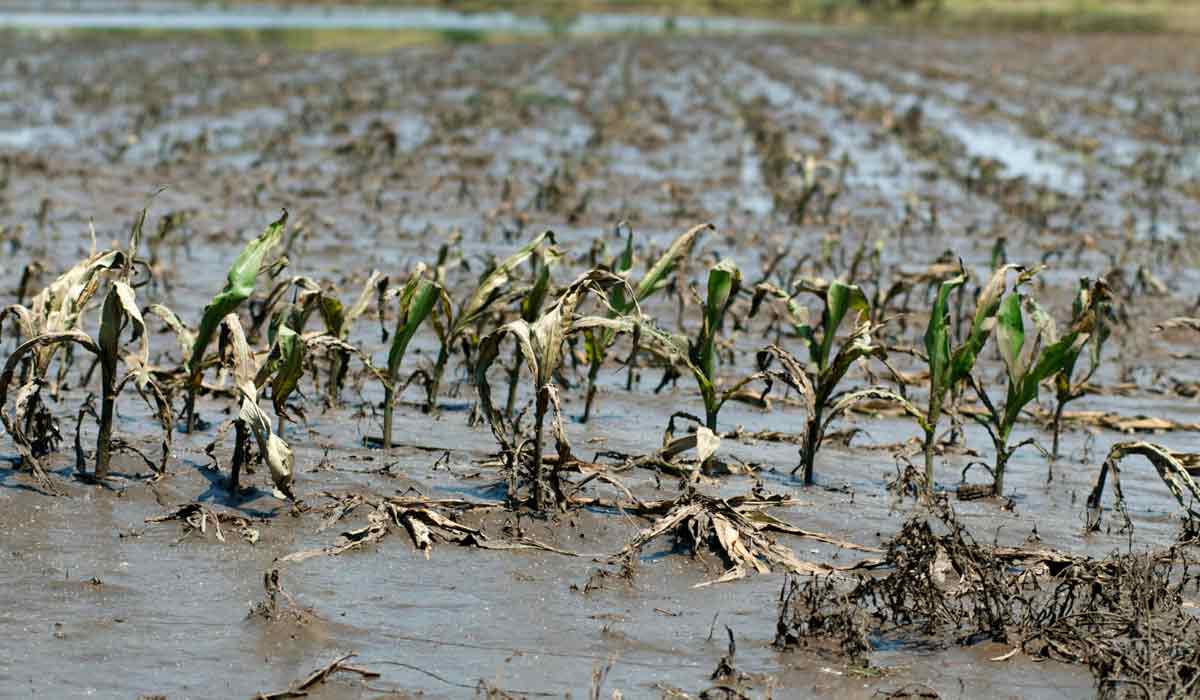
column 597, row 343
column 52, row 323
column 541, row 345
column 339, row 320
column 417, row 300
column 949, row 367
column 819, row 384
column 238, row 288
column 724, row 280
column 699, row 356
column 1029, row 362
column 531, row 310
column 120, row 310
column 282, row 369
column 491, row 288
column 1093, row 298
column 54, row 311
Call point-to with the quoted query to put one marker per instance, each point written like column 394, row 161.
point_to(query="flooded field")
column 668, row 545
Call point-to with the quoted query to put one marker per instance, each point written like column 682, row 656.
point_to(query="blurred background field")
column 1043, row 15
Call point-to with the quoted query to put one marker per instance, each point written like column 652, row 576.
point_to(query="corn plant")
column 417, row 301
column 1028, row 362
column 1092, row 298
column 699, row 355
column 949, row 367
column 541, row 345
column 52, row 323
column 120, row 309
column 27, row 399
column 819, row 384
column 456, row 323
column 53, row 311
column 59, row 306
column 282, row 369
column 724, row 280
column 813, row 177
column 239, row 286
column 530, row 309
column 597, row 343
column 339, row 319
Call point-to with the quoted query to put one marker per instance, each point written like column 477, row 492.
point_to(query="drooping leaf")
column 183, row 335
column 493, row 282
column 541, row 342
column 1049, row 362
column 284, row 366
column 240, row 359
column 857, row 347
column 276, row 452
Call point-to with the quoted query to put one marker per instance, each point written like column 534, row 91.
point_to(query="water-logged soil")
column 382, row 158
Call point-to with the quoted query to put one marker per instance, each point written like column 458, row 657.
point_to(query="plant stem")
column 337, row 368
column 808, row 449
column 593, row 372
column 543, row 400
column 189, row 410
column 435, row 382
column 107, row 403
column 930, row 436
column 239, row 455
column 1058, row 412
column 514, row 376
column 1001, row 464
column 389, row 405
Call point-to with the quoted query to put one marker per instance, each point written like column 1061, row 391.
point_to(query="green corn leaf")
column 333, row 313
column 238, row 288
column 840, row 298
column 285, row 366
column 1049, row 362
column 657, row 276
column 625, row 262
column 1010, row 335
column 416, row 303
column 723, row 281
column 937, row 335
column 532, row 304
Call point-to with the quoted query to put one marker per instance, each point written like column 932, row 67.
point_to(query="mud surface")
column 1051, row 143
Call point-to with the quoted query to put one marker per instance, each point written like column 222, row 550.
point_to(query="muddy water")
column 95, row 602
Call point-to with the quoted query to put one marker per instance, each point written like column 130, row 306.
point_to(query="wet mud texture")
column 1086, row 161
